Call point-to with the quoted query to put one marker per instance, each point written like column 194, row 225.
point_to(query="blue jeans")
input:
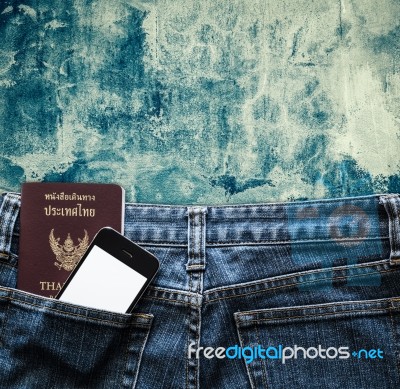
column 302, row 295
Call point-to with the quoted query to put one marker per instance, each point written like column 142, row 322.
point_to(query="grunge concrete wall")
column 187, row 101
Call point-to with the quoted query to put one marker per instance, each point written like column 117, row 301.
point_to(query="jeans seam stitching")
column 261, row 205
column 164, row 299
column 171, row 291
column 4, row 323
column 141, row 353
column 11, row 213
column 263, row 372
column 3, row 263
column 188, row 333
column 121, row 324
column 383, row 310
column 394, row 334
column 127, row 359
column 240, row 243
column 294, row 284
column 371, row 302
column 197, row 370
column 307, row 272
column 249, row 372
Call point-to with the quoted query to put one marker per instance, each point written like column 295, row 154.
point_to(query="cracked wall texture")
column 202, row 102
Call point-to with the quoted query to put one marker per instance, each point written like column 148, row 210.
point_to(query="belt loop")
column 196, row 238
column 392, row 207
column 8, row 215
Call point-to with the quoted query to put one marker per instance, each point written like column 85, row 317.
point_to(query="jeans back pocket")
column 49, row 344
column 348, row 345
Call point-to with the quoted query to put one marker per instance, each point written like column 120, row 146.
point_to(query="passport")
column 57, row 223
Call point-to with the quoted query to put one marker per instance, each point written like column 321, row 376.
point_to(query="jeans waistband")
column 343, row 220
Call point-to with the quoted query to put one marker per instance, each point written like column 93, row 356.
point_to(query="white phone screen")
column 103, row 282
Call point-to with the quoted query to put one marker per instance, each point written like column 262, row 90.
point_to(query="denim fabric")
column 316, row 274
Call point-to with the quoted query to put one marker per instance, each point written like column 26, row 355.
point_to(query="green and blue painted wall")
column 202, row 102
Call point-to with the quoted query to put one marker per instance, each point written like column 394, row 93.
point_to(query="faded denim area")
column 202, row 101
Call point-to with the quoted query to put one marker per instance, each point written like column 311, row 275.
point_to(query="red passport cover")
column 58, row 222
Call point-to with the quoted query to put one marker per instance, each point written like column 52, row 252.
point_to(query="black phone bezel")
column 117, row 245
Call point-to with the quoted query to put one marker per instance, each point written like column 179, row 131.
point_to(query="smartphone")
column 111, row 275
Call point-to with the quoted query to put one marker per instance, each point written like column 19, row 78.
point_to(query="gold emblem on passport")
column 68, row 254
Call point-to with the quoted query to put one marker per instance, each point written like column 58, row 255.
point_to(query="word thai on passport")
column 58, row 222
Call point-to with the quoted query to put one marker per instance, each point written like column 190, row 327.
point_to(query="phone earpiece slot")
column 127, row 253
